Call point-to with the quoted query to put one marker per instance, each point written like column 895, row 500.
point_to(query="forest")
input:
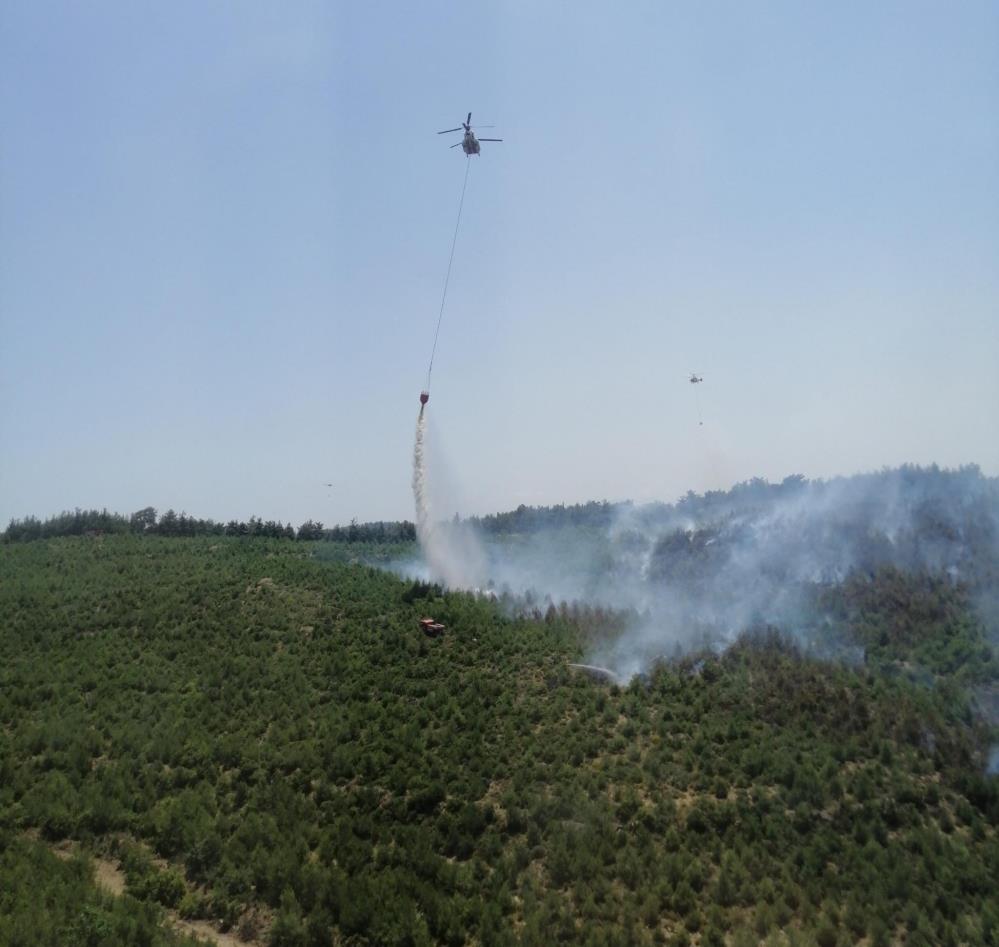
column 257, row 733
column 148, row 521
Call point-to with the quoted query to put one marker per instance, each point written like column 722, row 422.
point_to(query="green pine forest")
column 255, row 730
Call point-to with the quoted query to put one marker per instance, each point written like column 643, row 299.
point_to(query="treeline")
column 532, row 519
column 929, row 506
column 378, row 532
column 933, row 498
column 912, row 519
column 147, row 521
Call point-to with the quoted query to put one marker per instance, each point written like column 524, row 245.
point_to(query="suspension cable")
column 447, row 278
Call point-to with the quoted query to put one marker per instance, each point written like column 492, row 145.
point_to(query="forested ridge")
column 263, row 737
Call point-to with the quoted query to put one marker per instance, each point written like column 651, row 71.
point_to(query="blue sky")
column 224, row 229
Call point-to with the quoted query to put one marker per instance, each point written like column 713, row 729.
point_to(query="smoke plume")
column 698, row 572
column 453, row 555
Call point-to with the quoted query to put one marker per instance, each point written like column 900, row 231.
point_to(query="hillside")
column 264, row 737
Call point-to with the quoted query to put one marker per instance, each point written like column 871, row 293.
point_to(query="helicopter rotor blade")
column 446, row 130
column 490, row 139
column 468, row 121
column 455, row 145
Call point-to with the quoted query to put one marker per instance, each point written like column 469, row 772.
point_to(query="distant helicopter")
column 469, row 143
column 696, row 379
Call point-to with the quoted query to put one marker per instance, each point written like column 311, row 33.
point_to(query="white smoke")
column 697, row 573
column 452, row 553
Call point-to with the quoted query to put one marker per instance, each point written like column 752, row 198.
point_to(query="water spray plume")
column 430, row 541
column 425, row 532
column 453, row 554
column 420, row 481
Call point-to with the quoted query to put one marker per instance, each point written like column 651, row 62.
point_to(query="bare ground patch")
column 111, row 879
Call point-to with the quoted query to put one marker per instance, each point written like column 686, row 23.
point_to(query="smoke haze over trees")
column 700, row 571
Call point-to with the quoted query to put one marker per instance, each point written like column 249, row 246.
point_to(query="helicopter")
column 469, row 143
column 696, row 379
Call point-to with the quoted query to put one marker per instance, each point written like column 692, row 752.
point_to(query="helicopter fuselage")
column 469, row 143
